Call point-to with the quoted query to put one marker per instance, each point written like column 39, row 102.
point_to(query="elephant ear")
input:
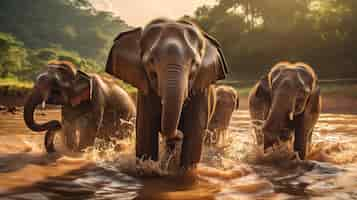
column 82, row 88
column 213, row 66
column 260, row 99
column 314, row 101
column 237, row 102
column 124, row 60
column 264, row 87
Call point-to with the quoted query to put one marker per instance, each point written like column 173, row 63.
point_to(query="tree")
column 73, row 25
column 255, row 34
column 12, row 55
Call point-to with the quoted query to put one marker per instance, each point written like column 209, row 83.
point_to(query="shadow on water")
column 93, row 182
column 15, row 161
column 57, row 187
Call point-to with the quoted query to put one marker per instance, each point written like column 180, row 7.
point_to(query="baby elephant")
column 92, row 106
column 286, row 100
column 227, row 101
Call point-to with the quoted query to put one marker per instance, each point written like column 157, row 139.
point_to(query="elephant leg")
column 207, row 137
column 303, row 133
column 302, row 142
column 69, row 138
column 223, row 136
column 148, row 122
column 216, row 137
column 259, row 106
column 194, row 122
column 110, row 126
column 87, row 132
column 86, row 138
column 305, row 122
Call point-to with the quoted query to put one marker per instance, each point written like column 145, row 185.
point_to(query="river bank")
column 335, row 99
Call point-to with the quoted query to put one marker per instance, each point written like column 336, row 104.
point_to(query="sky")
column 140, row 12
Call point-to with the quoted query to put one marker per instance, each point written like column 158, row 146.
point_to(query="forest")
column 32, row 32
column 254, row 35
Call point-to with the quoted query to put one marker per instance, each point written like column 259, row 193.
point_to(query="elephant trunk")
column 35, row 99
column 277, row 122
column 172, row 100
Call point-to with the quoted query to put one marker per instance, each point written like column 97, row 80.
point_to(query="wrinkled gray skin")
column 173, row 64
column 98, row 116
column 288, row 99
column 227, row 101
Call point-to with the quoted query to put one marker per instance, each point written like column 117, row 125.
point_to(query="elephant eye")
column 153, row 79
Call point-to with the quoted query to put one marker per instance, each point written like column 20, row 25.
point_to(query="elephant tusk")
column 45, row 97
column 291, row 116
column 43, row 105
column 292, row 113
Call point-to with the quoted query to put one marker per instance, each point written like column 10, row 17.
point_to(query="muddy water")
column 236, row 170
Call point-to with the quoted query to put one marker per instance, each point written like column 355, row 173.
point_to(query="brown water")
column 236, row 171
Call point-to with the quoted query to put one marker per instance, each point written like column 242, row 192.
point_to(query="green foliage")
column 73, row 25
column 34, row 32
column 255, row 34
column 15, row 82
column 20, row 63
column 12, row 55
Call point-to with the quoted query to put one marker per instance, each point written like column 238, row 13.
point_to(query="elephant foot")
column 127, row 128
column 210, row 138
column 170, row 159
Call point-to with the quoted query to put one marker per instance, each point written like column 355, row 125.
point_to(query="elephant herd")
column 174, row 65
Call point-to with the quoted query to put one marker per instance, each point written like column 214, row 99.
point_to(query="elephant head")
column 289, row 87
column 173, row 59
column 59, row 84
column 227, row 101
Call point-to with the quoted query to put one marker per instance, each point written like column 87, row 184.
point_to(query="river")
column 238, row 170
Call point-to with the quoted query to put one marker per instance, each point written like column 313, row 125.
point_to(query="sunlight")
column 138, row 12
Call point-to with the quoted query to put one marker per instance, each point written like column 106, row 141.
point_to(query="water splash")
column 240, row 170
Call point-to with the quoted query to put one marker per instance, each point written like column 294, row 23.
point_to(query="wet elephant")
column 286, row 100
column 173, row 64
column 227, row 101
column 92, row 105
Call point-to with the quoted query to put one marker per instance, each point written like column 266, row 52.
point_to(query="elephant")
column 227, row 101
column 286, row 102
column 91, row 105
column 174, row 65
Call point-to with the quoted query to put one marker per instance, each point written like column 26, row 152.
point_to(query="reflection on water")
column 238, row 170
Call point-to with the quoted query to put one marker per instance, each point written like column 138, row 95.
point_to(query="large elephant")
column 227, row 101
column 173, row 64
column 92, row 105
column 287, row 100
